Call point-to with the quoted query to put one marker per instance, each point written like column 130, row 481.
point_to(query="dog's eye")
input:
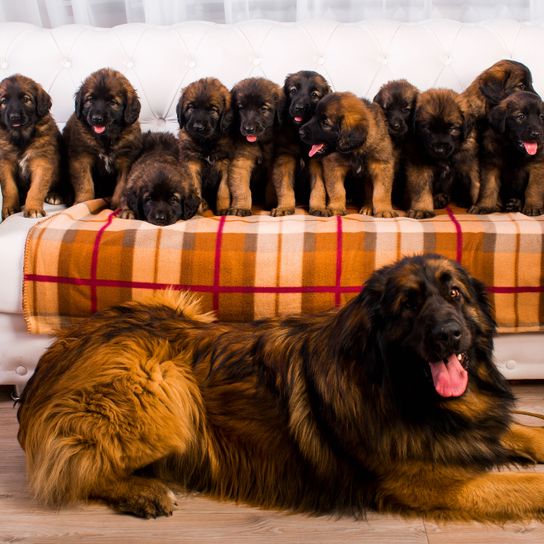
column 410, row 304
column 315, row 94
column 455, row 131
column 240, row 106
column 325, row 123
column 406, row 108
column 27, row 99
column 3, row 101
column 454, row 294
column 174, row 199
column 292, row 91
column 521, row 86
column 113, row 103
column 265, row 108
column 520, row 117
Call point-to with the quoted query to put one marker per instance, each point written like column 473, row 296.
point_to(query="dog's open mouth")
column 317, row 149
column 531, row 148
column 99, row 129
column 298, row 119
column 450, row 376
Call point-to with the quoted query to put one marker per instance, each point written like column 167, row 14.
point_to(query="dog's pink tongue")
column 251, row 138
column 450, row 379
column 99, row 130
column 316, row 148
column 530, row 147
column 298, row 119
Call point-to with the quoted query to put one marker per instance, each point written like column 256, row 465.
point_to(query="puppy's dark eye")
column 147, row 198
column 325, row 123
column 454, row 294
column 265, row 108
column 89, row 99
column 315, row 94
column 292, row 91
column 520, row 117
column 174, row 199
column 240, row 106
column 455, row 131
column 27, row 99
column 410, row 304
column 3, row 101
column 521, row 86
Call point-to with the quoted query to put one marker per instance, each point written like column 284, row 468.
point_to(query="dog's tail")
column 185, row 303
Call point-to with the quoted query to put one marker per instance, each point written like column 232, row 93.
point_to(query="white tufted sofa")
column 160, row 61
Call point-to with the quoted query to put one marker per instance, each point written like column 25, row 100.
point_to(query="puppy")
column 204, row 116
column 398, row 100
column 156, row 190
column 494, row 84
column 442, row 157
column 302, row 91
column 30, row 147
column 257, row 104
column 512, row 157
column 103, row 136
column 351, row 135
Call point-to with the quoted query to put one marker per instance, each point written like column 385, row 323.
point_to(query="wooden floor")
column 200, row 520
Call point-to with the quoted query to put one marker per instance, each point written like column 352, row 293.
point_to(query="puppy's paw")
column 319, row 212
column 333, row 210
column 241, row 212
column 127, row 213
column 420, row 214
column 386, row 213
column 440, row 200
column 34, row 213
column 366, row 210
column 481, row 210
column 279, row 212
column 54, row 198
column 532, row 211
column 513, row 205
column 9, row 210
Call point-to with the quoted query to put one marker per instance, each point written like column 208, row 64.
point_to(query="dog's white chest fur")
column 108, row 162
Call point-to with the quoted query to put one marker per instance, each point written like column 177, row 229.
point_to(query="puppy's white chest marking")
column 108, row 162
column 24, row 165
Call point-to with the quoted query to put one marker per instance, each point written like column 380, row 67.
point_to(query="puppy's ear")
column 78, row 102
column 189, row 206
column 492, row 87
column 132, row 108
column 133, row 202
column 226, row 121
column 180, row 114
column 497, row 118
column 43, row 102
column 352, row 136
column 280, row 104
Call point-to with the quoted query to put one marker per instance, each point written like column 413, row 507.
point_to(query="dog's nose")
column 97, row 119
column 249, row 129
column 198, row 126
column 535, row 134
column 15, row 117
column 448, row 334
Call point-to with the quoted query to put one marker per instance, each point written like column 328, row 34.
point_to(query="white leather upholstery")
column 161, row 60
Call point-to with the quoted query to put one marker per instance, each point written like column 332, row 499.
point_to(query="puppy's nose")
column 198, row 126
column 15, row 117
column 97, row 119
column 395, row 124
column 535, row 134
column 249, row 129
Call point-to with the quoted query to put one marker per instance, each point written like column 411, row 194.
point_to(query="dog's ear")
column 497, row 118
column 133, row 202
column 78, row 102
column 280, row 105
column 180, row 113
column 189, row 206
column 492, row 87
column 226, row 121
column 132, row 108
column 43, row 102
column 352, row 135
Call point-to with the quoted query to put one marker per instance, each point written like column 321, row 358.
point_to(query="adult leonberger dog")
column 495, row 83
column 512, row 157
column 257, row 105
column 156, row 190
column 205, row 117
column 103, row 136
column 294, row 173
column 30, row 147
column 442, row 155
column 392, row 403
column 351, row 134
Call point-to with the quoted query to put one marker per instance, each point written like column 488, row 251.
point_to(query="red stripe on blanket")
column 337, row 298
column 94, row 261
column 459, row 231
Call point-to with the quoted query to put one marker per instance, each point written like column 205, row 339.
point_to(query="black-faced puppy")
column 293, row 172
column 495, row 83
column 30, row 147
column 204, row 116
column 442, row 156
column 103, row 136
column 398, row 101
column 512, row 157
column 257, row 105
column 351, row 135
column 156, row 191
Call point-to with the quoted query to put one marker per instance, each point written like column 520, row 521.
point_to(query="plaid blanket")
column 85, row 259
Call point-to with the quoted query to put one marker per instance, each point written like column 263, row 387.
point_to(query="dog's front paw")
column 34, row 213
column 54, row 198
column 9, row 210
column 420, row 214
column 386, row 213
column 440, row 200
column 513, row 205
column 333, row 210
column 241, row 212
column 279, row 212
column 532, row 211
column 319, row 212
column 127, row 213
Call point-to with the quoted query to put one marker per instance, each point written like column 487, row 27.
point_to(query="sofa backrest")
column 161, row 60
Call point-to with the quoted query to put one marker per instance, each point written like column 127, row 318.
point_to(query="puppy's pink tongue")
column 530, row 147
column 316, row 148
column 450, row 378
column 251, row 138
column 298, row 119
column 99, row 130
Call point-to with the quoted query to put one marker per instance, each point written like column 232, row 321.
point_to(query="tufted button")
column 321, row 60
column 192, row 64
column 257, row 61
column 21, row 370
column 510, row 364
column 385, row 60
column 130, row 64
column 3, row 65
column 67, row 63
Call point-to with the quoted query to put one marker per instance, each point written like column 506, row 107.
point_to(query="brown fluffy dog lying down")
column 391, row 403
